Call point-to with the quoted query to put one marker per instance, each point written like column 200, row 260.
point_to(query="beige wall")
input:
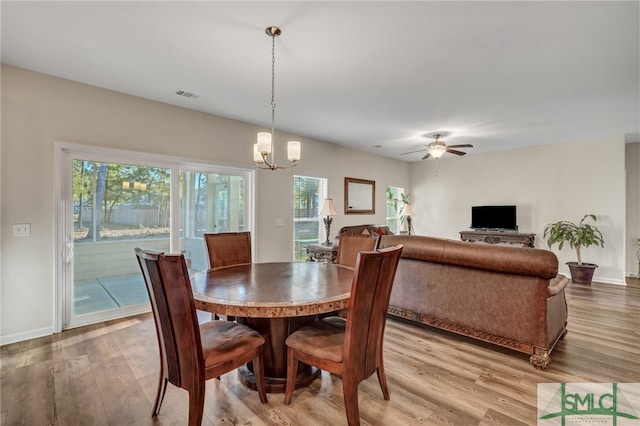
column 38, row 110
column 632, row 236
column 547, row 183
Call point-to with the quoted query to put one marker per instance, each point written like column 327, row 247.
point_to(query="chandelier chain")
column 273, row 86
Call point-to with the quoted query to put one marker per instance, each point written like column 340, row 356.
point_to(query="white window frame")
column 396, row 217
column 323, row 191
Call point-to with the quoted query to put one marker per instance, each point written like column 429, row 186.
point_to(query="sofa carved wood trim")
column 539, row 358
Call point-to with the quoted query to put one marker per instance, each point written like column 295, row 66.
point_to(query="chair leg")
column 292, row 369
column 162, row 388
column 350, row 390
column 382, row 378
column 258, row 371
column 196, row 404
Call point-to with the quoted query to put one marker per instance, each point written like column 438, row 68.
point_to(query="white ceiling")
column 498, row 75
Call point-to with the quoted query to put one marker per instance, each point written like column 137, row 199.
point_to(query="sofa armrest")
column 557, row 284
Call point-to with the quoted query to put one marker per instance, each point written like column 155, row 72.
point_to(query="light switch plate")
column 21, row 229
column 279, row 222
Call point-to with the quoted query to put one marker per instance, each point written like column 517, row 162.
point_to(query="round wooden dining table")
column 274, row 299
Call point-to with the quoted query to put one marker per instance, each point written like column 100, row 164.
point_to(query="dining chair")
column 228, row 248
column 351, row 347
column 351, row 245
column 190, row 353
column 348, row 248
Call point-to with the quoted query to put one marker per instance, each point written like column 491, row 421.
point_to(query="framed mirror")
column 359, row 196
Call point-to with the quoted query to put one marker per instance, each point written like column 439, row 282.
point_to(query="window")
column 393, row 208
column 308, row 195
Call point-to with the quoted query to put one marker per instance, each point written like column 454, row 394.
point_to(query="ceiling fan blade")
column 466, row 145
column 453, row 151
column 426, row 156
column 413, row 152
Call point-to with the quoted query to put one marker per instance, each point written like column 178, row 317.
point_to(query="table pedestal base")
column 275, row 332
column 278, row 384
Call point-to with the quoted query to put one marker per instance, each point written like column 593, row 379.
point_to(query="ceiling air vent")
column 186, row 94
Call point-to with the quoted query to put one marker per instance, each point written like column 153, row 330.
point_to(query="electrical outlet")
column 21, row 229
column 279, row 222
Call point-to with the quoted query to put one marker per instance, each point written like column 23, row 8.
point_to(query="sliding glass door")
column 111, row 205
column 116, row 207
column 210, row 202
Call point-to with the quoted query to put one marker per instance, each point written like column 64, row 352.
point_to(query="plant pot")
column 582, row 274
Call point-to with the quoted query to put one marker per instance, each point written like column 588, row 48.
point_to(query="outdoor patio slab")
column 126, row 290
column 90, row 296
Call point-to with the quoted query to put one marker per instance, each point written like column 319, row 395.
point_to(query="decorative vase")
column 582, row 274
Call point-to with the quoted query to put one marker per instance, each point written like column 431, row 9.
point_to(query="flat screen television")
column 494, row 218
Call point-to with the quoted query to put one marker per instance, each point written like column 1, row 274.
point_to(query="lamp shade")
column 257, row 157
column 328, row 209
column 293, row 151
column 264, row 143
column 408, row 210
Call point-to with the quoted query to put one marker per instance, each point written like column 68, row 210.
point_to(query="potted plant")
column 577, row 236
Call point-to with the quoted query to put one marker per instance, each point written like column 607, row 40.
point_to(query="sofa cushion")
column 514, row 260
column 372, row 229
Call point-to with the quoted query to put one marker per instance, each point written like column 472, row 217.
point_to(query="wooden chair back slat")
column 169, row 288
column 351, row 245
column 228, row 248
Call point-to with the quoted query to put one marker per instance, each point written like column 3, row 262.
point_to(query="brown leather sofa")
column 508, row 296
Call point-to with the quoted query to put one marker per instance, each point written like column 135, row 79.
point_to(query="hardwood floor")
column 106, row 374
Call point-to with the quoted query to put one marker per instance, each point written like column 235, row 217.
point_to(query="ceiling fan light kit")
column 438, row 148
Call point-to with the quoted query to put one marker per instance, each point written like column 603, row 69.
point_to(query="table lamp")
column 408, row 211
column 327, row 211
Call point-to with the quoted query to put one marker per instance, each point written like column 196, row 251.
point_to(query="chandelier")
column 264, row 146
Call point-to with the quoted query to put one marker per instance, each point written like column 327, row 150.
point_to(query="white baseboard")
column 31, row 334
column 597, row 278
column 606, row 280
column 610, row 281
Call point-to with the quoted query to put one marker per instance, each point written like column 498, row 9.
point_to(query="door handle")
column 69, row 251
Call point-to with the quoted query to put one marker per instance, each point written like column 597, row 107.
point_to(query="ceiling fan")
column 438, row 148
